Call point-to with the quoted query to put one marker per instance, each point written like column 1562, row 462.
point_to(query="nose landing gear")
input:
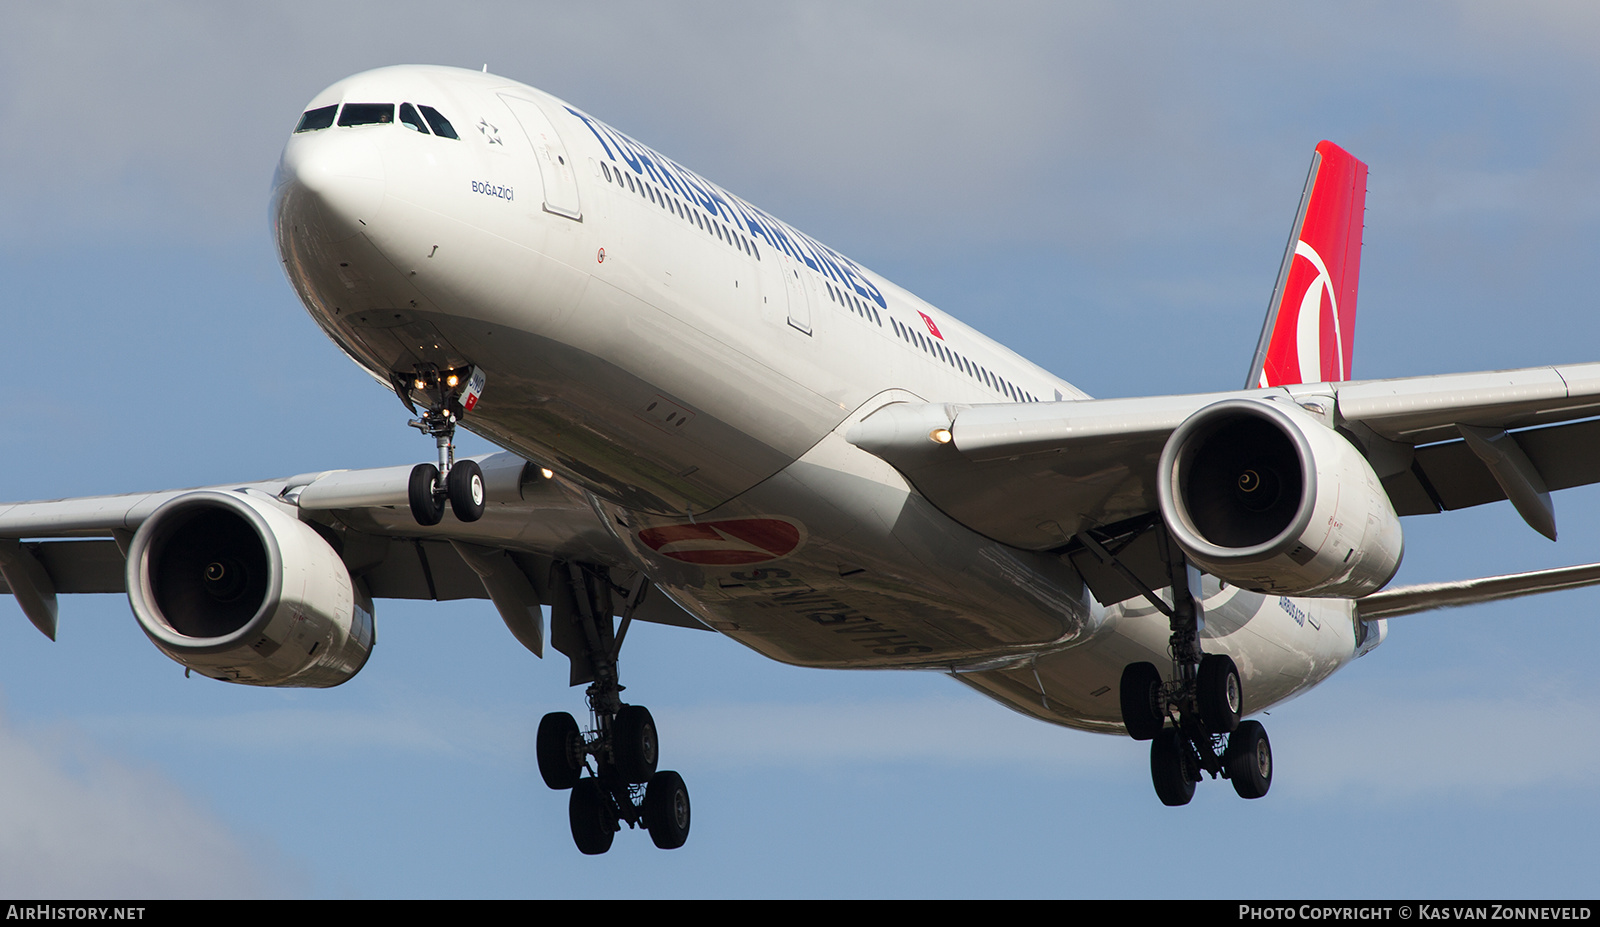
column 448, row 394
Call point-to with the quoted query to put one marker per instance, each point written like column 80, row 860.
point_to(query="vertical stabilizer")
column 1309, row 334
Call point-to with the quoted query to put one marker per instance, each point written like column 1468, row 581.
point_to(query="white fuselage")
column 692, row 364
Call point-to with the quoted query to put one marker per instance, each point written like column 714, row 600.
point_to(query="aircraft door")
column 795, row 290
column 555, row 165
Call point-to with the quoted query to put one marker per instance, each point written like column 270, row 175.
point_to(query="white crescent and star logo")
column 1314, row 328
column 1309, row 333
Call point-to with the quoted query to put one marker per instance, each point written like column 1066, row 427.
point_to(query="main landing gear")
column 623, row 784
column 1206, row 733
column 1192, row 720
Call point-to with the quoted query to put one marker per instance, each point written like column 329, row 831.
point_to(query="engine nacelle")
column 234, row 588
column 1265, row 496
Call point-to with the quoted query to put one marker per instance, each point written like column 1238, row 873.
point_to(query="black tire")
column 1141, row 692
column 594, row 823
column 634, row 745
column 666, row 810
column 1220, row 694
column 1171, row 768
column 558, row 745
column 464, row 486
column 1249, row 760
column 425, row 507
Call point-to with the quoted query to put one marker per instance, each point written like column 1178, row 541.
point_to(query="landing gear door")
column 555, row 165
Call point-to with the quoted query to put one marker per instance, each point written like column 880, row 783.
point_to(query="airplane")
column 711, row 420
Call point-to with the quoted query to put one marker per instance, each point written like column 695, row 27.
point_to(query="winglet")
column 1309, row 334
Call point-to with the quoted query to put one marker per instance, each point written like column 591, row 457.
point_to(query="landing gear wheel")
column 1219, row 694
column 1170, row 768
column 1141, row 695
column 559, row 748
column 635, row 748
column 1249, row 760
column 666, row 810
column 425, row 507
column 464, row 486
column 594, row 825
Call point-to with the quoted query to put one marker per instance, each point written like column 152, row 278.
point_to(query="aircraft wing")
column 1034, row 475
column 530, row 523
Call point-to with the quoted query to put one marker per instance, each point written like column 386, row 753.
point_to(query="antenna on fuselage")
column 486, row 68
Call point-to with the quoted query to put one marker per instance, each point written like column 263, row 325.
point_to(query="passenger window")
column 410, row 119
column 366, row 114
column 605, row 170
column 314, row 119
column 441, row 126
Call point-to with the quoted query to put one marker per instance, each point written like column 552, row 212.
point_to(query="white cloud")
column 76, row 823
column 430, row 728
column 953, row 731
column 1034, row 121
column 1398, row 747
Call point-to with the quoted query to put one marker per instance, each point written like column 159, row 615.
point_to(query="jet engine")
column 1264, row 495
column 234, row 587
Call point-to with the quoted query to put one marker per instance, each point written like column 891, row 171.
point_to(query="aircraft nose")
column 332, row 180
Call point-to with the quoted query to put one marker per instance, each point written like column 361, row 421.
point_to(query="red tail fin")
column 1309, row 334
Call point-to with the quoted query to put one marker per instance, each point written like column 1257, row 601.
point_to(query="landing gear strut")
column 447, row 394
column 1191, row 720
column 623, row 785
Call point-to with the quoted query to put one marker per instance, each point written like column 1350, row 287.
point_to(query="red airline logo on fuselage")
column 727, row 541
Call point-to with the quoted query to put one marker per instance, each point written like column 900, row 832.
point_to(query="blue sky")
column 1107, row 189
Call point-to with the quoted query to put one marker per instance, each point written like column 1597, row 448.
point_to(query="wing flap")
column 76, row 567
column 1449, row 475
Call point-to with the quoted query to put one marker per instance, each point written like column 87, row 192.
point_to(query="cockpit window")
column 319, row 118
column 410, row 119
column 366, row 114
column 441, row 125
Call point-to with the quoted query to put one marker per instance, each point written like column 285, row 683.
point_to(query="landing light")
column 940, row 436
column 452, row 380
column 546, row 473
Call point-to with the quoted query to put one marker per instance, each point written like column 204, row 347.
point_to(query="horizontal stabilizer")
column 1408, row 600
